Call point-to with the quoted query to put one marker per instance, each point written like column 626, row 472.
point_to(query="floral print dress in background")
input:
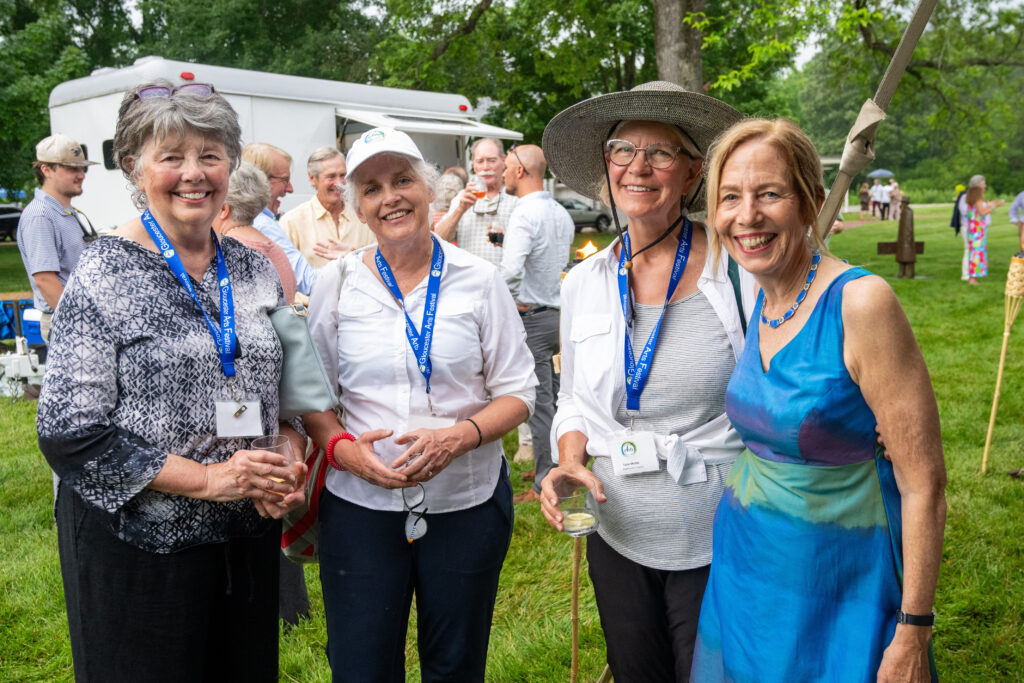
column 977, row 230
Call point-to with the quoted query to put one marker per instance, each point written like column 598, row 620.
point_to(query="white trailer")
column 294, row 113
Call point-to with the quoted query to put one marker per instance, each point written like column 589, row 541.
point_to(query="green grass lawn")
column 979, row 633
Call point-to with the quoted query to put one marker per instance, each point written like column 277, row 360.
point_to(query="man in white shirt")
column 537, row 244
column 323, row 219
column 471, row 221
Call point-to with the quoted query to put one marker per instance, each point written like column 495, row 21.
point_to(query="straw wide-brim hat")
column 574, row 140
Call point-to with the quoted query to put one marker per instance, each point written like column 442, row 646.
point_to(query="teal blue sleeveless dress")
column 807, row 570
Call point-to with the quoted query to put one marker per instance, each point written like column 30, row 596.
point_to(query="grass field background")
column 979, row 634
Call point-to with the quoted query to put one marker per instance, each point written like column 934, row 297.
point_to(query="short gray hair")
column 976, row 181
column 318, row 157
column 448, row 188
column 428, row 173
column 248, row 193
column 497, row 143
column 141, row 121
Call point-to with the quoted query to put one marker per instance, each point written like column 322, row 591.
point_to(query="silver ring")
column 430, row 473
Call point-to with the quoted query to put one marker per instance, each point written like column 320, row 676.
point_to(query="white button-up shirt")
column 593, row 365
column 537, row 244
column 478, row 354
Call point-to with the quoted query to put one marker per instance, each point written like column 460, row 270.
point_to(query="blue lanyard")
column 636, row 372
column 224, row 338
column 419, row 341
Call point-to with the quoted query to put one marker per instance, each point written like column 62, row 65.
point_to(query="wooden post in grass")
column 577, row 552
column 905, row 248
column 1014, row 297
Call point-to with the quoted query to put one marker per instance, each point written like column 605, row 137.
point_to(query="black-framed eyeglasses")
column 659, row 155
column 415, row 525
column 194, row 89
column 513, row 152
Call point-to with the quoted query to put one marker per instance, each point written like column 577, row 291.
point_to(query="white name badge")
column 239, row 419
column 429, row 422
column 633, row 452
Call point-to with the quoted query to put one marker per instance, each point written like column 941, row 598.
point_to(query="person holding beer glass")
column 163, row 365
column 482, row 206
column 656, row 429
column 431, row 360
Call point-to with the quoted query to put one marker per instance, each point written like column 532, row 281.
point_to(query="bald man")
column 536, row 249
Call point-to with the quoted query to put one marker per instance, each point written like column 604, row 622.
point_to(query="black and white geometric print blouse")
column 132, row 374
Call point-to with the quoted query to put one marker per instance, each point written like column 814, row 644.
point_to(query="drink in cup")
column 579, row 513
column 477, row 186
column 276, row 443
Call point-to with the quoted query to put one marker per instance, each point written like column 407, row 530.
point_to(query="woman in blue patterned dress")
column 826, row 553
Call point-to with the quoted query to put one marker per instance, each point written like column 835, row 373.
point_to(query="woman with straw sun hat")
column 658, row 306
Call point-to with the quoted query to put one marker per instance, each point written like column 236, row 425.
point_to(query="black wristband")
column 915, row 619
column 479, row 434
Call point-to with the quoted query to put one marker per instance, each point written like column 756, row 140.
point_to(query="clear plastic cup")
column 579, row 513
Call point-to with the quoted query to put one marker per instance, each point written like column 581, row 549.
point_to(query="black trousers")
column 370, row 573
column 649, row 616
column 207, row 613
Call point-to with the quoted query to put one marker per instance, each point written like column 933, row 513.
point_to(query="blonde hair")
column 261, row 155
column 799, row 155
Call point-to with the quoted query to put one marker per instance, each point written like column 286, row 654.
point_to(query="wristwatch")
column 915, row 619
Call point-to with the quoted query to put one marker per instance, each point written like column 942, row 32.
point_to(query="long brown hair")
column 975, row 194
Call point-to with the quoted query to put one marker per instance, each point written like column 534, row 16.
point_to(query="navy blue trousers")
column 370, row 573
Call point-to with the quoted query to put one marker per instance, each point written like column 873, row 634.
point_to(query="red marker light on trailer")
column 187, row 75
column 463, row 107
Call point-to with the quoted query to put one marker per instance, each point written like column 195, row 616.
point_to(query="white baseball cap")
column 60, row 149
column 380, row 141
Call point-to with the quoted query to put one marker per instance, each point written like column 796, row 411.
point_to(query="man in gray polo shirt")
column 51, row 233
column 537, row 243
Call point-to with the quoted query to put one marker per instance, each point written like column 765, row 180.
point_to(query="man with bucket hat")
column 52, row 234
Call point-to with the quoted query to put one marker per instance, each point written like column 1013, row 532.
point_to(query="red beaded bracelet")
column 329, row 454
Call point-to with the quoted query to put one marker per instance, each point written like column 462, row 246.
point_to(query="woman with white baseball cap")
column 432, row 366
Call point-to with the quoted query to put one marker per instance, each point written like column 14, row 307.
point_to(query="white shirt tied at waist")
column 593, row 330
column 478, row 354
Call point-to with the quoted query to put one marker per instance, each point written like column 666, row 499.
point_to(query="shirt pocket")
column 593, row 350
column 456, row 339
column 363, row 329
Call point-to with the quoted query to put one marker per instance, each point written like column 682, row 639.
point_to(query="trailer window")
column 108, row 155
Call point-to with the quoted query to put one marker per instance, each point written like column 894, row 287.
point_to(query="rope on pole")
column 859, row 151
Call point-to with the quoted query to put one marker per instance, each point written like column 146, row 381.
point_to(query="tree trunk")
column 677, row 46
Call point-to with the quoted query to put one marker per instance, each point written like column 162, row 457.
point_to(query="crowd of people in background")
column 727, row 452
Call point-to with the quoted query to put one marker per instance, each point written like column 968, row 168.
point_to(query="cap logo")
column 373, row 135
column 76, row 151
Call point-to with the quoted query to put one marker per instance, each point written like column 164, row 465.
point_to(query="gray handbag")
column 305, row 386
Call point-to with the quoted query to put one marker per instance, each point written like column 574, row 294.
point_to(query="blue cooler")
column 11, row 309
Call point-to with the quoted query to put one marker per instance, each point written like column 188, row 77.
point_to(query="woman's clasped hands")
column 273, row 482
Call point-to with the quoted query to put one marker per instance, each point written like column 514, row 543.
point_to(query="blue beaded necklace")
column 815, row 260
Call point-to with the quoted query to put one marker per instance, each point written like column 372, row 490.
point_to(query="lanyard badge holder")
column 420, row 341
column 237, row 417
column 632, row 451
column 415, row 524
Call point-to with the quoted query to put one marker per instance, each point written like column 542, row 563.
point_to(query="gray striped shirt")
column 649, row 518
column 50, row 239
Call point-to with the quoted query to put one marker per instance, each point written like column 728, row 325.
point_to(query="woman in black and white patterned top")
column 169, row 558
